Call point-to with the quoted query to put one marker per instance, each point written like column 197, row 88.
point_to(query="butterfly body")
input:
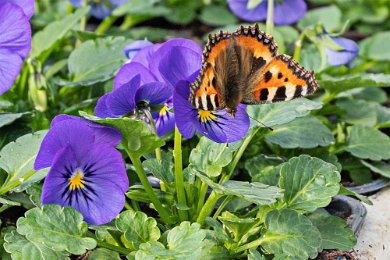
column 243, row 67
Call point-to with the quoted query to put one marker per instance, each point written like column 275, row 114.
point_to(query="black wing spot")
column 280, row 75
column 280, row 94
column 213, row 82
column 298, row 91
column 264, row 94
column 285, row 79
column 258, row 64
column 268, row 76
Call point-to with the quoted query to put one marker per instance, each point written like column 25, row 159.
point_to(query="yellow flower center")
column 76, row 181
column 163, row 110
column 205, row 115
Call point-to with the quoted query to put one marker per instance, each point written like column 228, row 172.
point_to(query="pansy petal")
column 164, row 121
column 155, row 93
column 10, row 66
column 240, row 9
column 222, row 128
column 129, row 71
column 184, row 111
column 62, row 135
column 133, row 48
column 15, row 30
column 122, row 100
column 189, row 47
column 101, row 197
column 77, row 3
column 178, row 64
column 100, row 10
column 103, row 134
column 28, row 6
column 289, row 12
column 345, row 56
column 101, row 109
column 146, row 55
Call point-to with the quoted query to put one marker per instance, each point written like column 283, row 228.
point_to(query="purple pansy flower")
column 87, row 172
column 288, row 12
column 15, row 40
column 100, row 9
column 349, row 51
column 215, row 125
column 133, row 48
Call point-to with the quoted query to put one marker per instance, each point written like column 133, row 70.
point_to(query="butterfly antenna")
column 270, row 128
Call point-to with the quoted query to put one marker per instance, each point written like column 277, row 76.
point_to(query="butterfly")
column 244, row 67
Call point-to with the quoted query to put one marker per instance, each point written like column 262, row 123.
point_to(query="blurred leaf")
column 137, row 227
column 136, row 136
column 368, row 143
column 308, row 182
column 61, row 229
column 255, row 255
column 217, row 15
column 183, row 12
column 375, row 47
column 334, row 231
column 382, row 168
column 254, row 192
column 282, row 112
column 305, row 132
column 8, row 118
column 184, row 241
column 142, row 8
column 20, row 248
column 383, row 116
column 96, row 61
column 290, row 34
column 263, row 169
column 344, row 83
column 369, row 94
column 161, row 169
column 17, row 159
column 103, row 253
column 291, row 234
column 84, row 36
column 358, row 112
column 210, row 157
column 44, row 40
column 311, row 58
column 329, row 16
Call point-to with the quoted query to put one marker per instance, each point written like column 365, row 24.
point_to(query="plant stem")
column 16, row 183
column 327, row 97
column 237, row 155
column 121, row 250
column 83, row 23
column 179, row 179
column 127, row 206
column 105, row 24
column 222, row 206
column 298, row 47
column 154, row 130
column 148, row 188
column 253, row 244
column 208, row 207
column 202, row 195
column 270, row 17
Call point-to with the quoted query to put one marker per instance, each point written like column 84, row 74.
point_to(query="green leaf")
column 254, row 192
column 328, row 16
column 383, row 116
column 217, row 15
column 345, row 191
column 44, row 40
column 161, row 169
column 336, row 85
column 262, row 169
column 238, row 226
column 282, row 112
column 61, row 229
column 368, row 143
column 382, row 168
column 305, row 132
column 9, row 118
column 184, row 241
column 291, row 234
column 358, row 112
column 334, row 231
column 103, row 253
column 137, row 227
column 136, row 136
column 96, row 61
column 20, row 248
column 141, row 8
column 17, row 159
column 255, row 255
column 210, row 157
column 377, row 95
column 308, row 182
column 375, row 47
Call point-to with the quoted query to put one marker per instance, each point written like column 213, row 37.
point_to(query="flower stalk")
column 270, row 17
